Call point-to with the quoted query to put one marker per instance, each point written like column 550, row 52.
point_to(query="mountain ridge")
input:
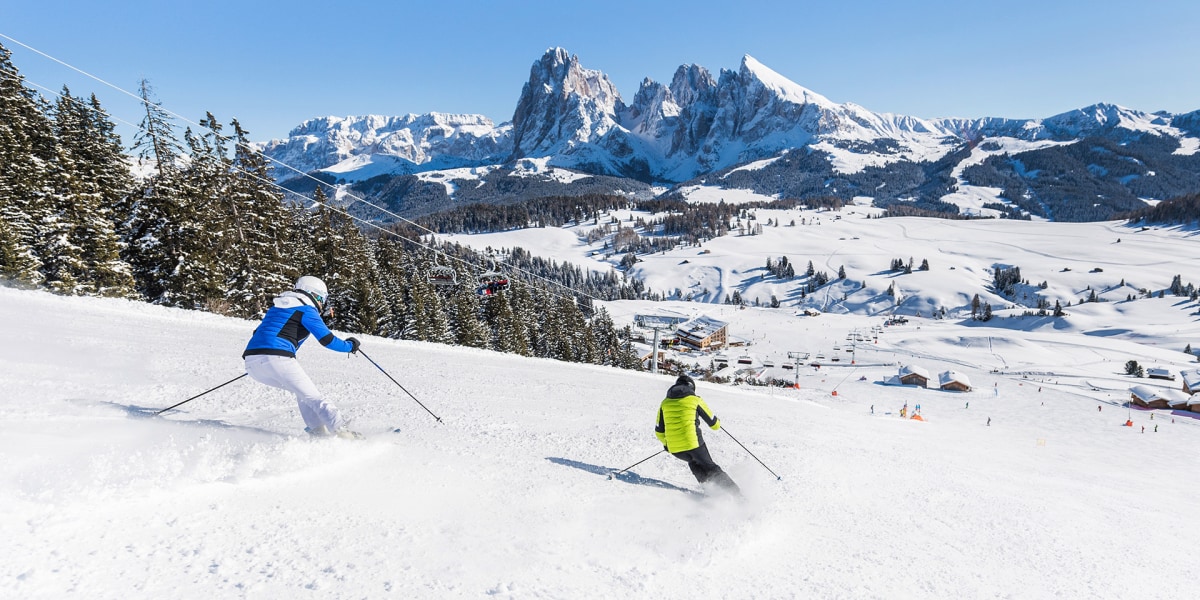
column 699, row 125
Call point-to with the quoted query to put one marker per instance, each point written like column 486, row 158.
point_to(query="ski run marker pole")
column 615, row 473
column 777, row 478
column 201, row 394
column 364, row 354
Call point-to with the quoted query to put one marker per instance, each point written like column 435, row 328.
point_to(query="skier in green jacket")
column 678, row 429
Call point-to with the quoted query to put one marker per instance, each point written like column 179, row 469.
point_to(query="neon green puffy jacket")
column 679, row 419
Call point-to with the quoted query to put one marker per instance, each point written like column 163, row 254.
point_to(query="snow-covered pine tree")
column 260, row 219
column 58, row 242
column 469, row 330
column 190, row 233
column 508, row 333
column 112, row 275
column 394, row 277
column 148, row 235
column 346, row 262
column 90, row 179
column 25, row 149
column 429, row 320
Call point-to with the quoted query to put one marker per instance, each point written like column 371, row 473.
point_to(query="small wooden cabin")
column 913, row 375
column 954, row 381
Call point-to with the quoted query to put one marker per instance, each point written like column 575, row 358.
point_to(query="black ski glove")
column 354, row 344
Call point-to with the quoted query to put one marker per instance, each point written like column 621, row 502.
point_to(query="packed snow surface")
column 507, row 497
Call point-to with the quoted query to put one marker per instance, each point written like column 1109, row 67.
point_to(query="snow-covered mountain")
column 571, row 117
column 373, row 145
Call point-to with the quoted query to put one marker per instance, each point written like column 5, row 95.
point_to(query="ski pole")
column 364, row 354
column 615, row 473
column 777, row 477
column 201, row 394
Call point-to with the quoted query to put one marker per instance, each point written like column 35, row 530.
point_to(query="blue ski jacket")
column 287, row 324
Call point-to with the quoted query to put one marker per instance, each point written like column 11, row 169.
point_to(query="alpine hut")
column 913, row 375
column 1149, row 397
column 1191, row 381
column 953, row 381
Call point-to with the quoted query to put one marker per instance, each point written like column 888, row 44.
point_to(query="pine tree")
column 429, row 321
column 151, row 241
column 469, row 330
column 26, row 147
column 258, row 216
column 189, row 232
column 395, row 277
column 345, row 260
column 90, row 181
column 112, row 275
column 508, row 335
column 63, row 266
column 209, row 182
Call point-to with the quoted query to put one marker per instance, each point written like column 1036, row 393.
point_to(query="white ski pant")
column 285, row 373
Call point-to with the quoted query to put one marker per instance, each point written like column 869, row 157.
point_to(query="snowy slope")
column 226, row 497
column 1073, row 259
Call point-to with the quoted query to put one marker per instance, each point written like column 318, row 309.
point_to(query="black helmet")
column 685, row 380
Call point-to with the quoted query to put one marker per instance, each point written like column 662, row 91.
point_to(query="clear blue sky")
column 273, row 64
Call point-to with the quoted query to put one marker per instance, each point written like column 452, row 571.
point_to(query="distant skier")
column 271, row 353
column 678, row 429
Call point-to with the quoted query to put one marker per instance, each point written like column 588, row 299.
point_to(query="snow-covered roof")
column 1144, row 392
column 952, row 377
column 1180, row 403
column 1150, row 394
column 1160, row 373
column 659, row 319
column 914, row 370
column 1191, row 378
column 701, row 327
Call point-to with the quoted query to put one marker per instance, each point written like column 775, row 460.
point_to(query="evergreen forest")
column 204, row 227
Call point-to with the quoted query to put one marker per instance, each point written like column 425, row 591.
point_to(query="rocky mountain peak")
column 562, row 103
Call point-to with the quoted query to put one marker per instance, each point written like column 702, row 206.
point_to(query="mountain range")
column 751, row 128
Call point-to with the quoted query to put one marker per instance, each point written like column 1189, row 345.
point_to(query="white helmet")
column 313, row 286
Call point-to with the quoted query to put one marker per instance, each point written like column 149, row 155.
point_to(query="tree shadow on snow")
column 627, row 476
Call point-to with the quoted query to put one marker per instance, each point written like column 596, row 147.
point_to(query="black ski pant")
column 703, row 467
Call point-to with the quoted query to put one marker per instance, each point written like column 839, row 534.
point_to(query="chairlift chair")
column 492, row 282
column 441, row 275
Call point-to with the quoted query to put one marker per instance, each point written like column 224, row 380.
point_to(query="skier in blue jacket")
column 271, row 354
